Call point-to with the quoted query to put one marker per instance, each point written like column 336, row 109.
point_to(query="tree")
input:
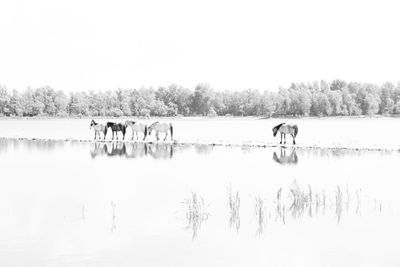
column 387, row 98
column 202, row 99
column 15, row 104
column 78, row 104
column 4, row 101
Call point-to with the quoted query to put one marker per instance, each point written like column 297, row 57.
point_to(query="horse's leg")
column 157, row 135
column 294, row 139
column 285, row 138
column 166, row 134
column 281, row 138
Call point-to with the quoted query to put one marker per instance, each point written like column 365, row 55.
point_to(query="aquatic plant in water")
column 195, row 213
column 234, row 205
column 259, row 214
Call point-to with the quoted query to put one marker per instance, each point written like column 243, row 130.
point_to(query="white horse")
column 285, row 129
column 98, row 128
column 136, row 128
column 163, row 128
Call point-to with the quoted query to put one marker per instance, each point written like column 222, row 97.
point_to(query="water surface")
column 135, row 204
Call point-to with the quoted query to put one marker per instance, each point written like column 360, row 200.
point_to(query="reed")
column 195, row 213
column 234, row 205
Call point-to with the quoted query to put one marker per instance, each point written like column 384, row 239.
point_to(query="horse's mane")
column 278, row 126
column 95, row 123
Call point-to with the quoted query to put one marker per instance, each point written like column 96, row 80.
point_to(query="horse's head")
column 151, row 127
column 92, row 123
column 274, row 131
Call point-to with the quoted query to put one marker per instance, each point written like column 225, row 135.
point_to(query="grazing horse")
column 98, row 128
column 161, row 127
column 285, row 129
column 116, row 127
column 136, row 128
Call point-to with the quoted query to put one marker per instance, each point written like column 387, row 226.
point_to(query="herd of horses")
column 137, row 127
column 167, row 128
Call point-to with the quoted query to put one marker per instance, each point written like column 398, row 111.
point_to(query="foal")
column 98, row 128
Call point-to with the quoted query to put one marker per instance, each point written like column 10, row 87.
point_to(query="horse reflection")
column 101, row 149
column 161, row 151
column 285, row 158
column 132, row 150
column 136, row 150
column 97, row 149
column 116, row 149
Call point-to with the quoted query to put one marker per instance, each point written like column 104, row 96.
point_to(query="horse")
column 97, row 129
column 136, row 128
column 285, row 129
column 161, row 127
column 284, row 158
column 116, row 127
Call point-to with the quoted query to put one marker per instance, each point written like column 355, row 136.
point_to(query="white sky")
column 82, row 45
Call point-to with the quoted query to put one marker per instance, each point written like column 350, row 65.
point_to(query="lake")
column 85, row 203
column 134, row 204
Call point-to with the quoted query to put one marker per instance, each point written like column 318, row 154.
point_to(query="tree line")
column 319, row 98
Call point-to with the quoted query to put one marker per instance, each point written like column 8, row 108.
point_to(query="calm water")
column 114, row 204
column 324, row 132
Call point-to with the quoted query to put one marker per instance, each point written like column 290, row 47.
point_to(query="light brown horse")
column 285, row 129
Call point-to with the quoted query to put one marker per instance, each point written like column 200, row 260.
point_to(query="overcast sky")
column 84, row 45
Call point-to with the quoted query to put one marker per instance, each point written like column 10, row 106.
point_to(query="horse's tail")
column 145, row 132
column 172, row 131
column 105, row 131
column 275, row 157
column 296, row 130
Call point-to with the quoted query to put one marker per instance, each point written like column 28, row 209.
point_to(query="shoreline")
column 214, row 144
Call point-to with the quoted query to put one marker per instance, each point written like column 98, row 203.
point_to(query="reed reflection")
column 30, row 144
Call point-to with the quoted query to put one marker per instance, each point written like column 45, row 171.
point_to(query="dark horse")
column 116, row 127
column 285, row 129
